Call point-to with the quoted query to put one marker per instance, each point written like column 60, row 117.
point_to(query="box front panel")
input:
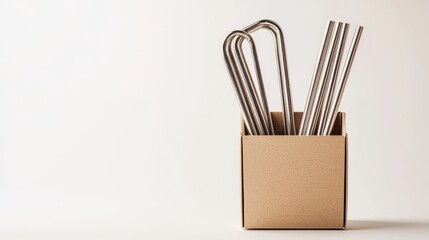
column 293, row 181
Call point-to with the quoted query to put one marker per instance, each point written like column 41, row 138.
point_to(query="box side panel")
column 243, row 127
column 343, row 123
column 346, row 180
column 241, row 182
column 338, row 125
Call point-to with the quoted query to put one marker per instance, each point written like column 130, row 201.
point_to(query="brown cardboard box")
column 294, row 182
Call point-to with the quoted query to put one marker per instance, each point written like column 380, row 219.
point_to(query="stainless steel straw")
column 321, row 107
column 333, row 111
column 320, row 93
column 327, row 102
column 257, row 107
column 288, row 113
column 304, row 128
column 241, row 94
column 249, row 102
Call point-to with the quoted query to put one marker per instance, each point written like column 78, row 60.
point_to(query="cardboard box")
column 294, row 182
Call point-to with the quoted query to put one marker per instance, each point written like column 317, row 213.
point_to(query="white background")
column 118, row 119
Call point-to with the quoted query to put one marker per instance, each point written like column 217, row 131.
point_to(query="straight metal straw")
column 288, row 113
column 304, row 130
column 327, row 102
column 333, row 111
column 321, row 90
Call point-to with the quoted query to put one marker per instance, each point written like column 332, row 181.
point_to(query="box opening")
column 339, row 128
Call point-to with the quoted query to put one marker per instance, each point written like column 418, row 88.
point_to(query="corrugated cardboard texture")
column 294, row 181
